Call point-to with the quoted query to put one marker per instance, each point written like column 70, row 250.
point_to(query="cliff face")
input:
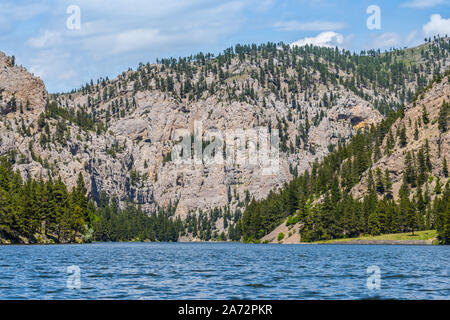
column 118, row 133
column 20, row 89
column 22, row 98
column 148, row 131
column 145, row 135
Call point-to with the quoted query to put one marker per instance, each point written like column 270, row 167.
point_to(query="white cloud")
column 115, row 37
column 420, row 4
column 387, row 40
column 131, row 40
column 324, row 39
column 436, row 25
column 178, row 23
column 264, row 5
column 11, row 12
column 411, row 36
column 309, row 26
column 47, row 39
column 53, row 64
column 390, row 40
column 413, row 39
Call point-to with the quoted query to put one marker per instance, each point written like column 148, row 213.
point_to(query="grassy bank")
column 418, row 235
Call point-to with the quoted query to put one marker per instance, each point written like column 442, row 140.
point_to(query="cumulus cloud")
column 115, row 37
column 436, row 25
column 413, row 39
column 12, row 12
column 420, row 4
column 154, row 25
column 387, row 40
column 411, row 36
column 121, row 42
column 308, row 26
column 324, row 39
column 46, row 39
column 53, row 63
column 264, row 5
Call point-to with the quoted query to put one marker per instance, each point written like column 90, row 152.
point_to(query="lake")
column 224, row 271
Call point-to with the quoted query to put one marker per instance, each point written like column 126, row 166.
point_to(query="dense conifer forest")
column 38, row 211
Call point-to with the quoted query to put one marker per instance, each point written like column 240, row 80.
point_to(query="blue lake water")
column 222, row 271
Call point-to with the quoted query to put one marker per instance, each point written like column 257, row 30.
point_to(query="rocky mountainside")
column 425, row 147
column 390, row 179
column 119, row 133
column 19, row 90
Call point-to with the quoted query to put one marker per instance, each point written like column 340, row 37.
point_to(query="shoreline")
column 385, row 242
column 426, row 237
column 349, row 242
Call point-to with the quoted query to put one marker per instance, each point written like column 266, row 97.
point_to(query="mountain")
column 390, row 178
column 421, row 143
column 119, row 133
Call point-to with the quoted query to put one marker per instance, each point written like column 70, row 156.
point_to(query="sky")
column 69, row 42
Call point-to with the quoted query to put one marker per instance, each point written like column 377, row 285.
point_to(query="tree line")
column 45, row 211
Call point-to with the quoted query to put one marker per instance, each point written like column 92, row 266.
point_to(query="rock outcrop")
column 19, row 89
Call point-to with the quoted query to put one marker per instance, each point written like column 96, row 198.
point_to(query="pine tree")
column 402, row 136
column 388, row 185
column 374, row 225
column 427, row 156
column 379, row 181
column 445, row 168
column 422, row 167
column 416, row 132
column 409, row 170
column 421, row 208
column 425, row 117
column 370, row 182
column 411, row 218
column 443, row 116
column 390, row 143
column 442, row 209
column 6, row 210
column 437, row 188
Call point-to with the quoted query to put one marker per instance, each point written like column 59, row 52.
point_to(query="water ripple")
column 223, row 271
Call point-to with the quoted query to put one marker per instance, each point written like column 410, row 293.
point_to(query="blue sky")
column 115, row 35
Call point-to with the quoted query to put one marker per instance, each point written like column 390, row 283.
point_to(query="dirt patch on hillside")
column 291, row 234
